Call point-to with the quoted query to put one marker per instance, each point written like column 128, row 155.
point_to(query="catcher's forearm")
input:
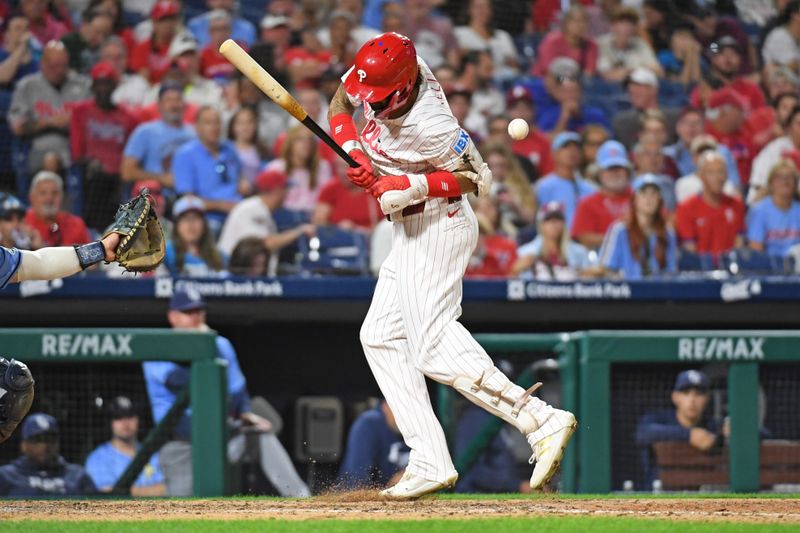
column 60, row 262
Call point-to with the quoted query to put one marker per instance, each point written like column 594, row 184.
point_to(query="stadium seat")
column 334, row 251
column 287, row 219
column 693, row 262
column 744, row 261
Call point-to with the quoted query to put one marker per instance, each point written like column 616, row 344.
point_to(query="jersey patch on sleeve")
column 461, row 143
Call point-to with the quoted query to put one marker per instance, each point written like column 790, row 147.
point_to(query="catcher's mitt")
column 16, row 395
column 141, row 247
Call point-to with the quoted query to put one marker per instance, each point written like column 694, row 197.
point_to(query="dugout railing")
column 70, row 348
column 609, row 379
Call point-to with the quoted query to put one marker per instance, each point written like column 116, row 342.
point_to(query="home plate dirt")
column 353, row 506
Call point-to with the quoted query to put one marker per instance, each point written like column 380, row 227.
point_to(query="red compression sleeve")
column 442, row 184
column 343, row 131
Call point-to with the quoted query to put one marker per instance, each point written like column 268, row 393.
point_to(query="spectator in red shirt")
column 726, row 123
column 572, row 41
column 345, row 205
column 308, row 61
column 41, row 23
column 725, row 58
column 710, row 27
column 212, row 64
column 599, row 210
column 98, row 133
column 56, row 227
column 711, row 222
column 495, row 253
column 536, row 146
column 150, row 58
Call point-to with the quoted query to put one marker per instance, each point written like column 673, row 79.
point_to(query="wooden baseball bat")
column 245, row 63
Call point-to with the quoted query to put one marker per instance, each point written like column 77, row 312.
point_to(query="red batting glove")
column 389, row 183
column 361, row 175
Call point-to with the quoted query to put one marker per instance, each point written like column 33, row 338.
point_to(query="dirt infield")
column 366, row 506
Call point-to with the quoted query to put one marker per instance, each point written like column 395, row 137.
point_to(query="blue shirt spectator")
column 242, row 30
column 108, row 462
column 375, row 450
column 773, row 224
column 683, row 159
column 41, row 471
column 494, row 470
column 149, row 150
column 165, row 379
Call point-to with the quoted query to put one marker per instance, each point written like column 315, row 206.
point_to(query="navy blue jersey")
column 374, row 452
column 22, row 478
column 10, row 259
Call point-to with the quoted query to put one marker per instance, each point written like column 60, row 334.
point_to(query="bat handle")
column 319, row 132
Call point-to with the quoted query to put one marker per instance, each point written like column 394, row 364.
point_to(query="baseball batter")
column 415, row 158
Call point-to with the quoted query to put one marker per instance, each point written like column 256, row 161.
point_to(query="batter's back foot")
column 547, row 452
column 411, row 487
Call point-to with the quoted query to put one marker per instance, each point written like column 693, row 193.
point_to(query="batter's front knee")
column 370, row 337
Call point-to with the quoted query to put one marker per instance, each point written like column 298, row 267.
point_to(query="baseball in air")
column 518, row 129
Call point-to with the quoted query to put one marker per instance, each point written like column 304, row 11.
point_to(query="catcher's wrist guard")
column 90, row 254
column 16, row 395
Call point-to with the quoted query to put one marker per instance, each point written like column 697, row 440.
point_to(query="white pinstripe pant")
column 412, row 330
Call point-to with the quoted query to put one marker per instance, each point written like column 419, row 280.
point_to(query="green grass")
column 507, row 525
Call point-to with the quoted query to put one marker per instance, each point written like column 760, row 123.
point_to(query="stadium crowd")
column 665, row 134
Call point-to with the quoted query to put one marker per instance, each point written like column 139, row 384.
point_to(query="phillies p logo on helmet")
column 361, row 75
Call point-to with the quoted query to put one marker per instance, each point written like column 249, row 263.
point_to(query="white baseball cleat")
column 411, row 487
column 547, row 453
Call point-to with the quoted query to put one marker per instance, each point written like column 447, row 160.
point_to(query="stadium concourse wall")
column 207, row 377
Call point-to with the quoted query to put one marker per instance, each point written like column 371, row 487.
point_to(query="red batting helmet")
column 386, row 66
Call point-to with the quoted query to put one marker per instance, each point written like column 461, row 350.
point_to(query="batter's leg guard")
column 505, row 401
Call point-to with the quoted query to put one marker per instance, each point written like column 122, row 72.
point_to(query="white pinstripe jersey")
column 425, row 139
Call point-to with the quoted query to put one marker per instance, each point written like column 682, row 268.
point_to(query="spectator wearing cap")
column 56, row 227
column 599, row 210
column 42, row 24
column 787, row 146
column 560, row 108
column 213, row 65
column 571, row 40
column 165, row 380
column 99, row 130
column 511, row 189
column 712, row 28
column 773, row 224
column 781, row 46
column 649, row 159
column 432, row 34
column 691, row 185
column 252, row 217
column 552, row 255
column 184, row 69
column 150, row 58
column 41, row 471
column 690, row 125
column 41, row 107
column 307, row 60
column 191, row 251
column 642, row 88
column 495, row 253
column 131, row 88
column 149, row 150
column 536, row 146
column 480, row 33
column 726, row 123
column 359, row 33
column 344, row 204
column 202, row 26
column 83, row 46
column 564, row 185
column 621, row 50
column 341, row 42
column 711, row 222
column 14, row 232
column 106, row 463
column 275, row 38
column 642, row 244
column 685, row 423
column 208, row 167
column 17, row 59
column 725, row 62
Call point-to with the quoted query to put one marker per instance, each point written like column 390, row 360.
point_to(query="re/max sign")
column 93, row 345
column 721, row 348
